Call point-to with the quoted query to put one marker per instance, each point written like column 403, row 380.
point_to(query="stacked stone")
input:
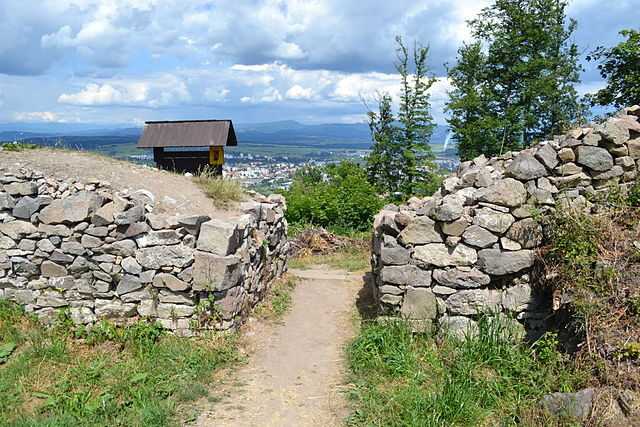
column 470, row 248
column 107, row 255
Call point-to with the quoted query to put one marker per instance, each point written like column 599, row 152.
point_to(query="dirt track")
column 296, row 375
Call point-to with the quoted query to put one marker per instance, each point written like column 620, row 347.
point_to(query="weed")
column 222, row 191
column 277, row 301
column 350, row 258
column 207, row 311
column 401, row 378
column 630, row 350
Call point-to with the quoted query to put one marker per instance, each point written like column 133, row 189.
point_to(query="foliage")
column 222, row 191
column 401, row 155
column 336, row 197
column 349, row 258
column 19, row 146
column 113, row 375
column 620, row 67
column 406, row 379
column 472, row 122
column 522, row 88
column 278, row 300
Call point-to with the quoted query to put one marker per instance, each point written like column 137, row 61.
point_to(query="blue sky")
column 127, row 61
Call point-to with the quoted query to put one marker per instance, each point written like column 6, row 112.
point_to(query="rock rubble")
column 470, row 248
column 103, row 254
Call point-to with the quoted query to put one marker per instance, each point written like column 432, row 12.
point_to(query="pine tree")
column 401, row 155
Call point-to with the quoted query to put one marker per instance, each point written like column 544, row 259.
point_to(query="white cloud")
column 94, row 94
column 299, row 92
column 37, row 116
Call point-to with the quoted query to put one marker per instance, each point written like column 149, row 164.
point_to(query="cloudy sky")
column 127, row 61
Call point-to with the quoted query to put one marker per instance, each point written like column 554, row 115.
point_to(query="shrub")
column 337, row 197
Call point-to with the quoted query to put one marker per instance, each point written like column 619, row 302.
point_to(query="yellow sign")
column 216, row 155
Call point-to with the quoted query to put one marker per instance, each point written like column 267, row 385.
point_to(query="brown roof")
column 188, row 133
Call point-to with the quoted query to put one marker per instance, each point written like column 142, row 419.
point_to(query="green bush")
column 337, row 197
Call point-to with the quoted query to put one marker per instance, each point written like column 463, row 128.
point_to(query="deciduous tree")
column 620, row 67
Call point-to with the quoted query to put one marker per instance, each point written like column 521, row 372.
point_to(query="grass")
column 404, row 379
column 222, row 191
column 277, row 302
column 349, row 258
column 136, row 375
column 19, row 146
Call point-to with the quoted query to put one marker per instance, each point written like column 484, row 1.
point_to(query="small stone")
column 58, row 256
column 440, row 255
column 26, row 207
column 163, row 280
column 51, row 269
column 17, row 230
column 394, row 256
column 611, row 173
column 130, row 216
column 527, row 232
column 128, row 283
column 479, row 237
column 548, row 156
column 497, row 222
column 576, row 405
column 90, row 242
column 566, row 155
column 509, row 245
column 419, row 303
column 461, row 279
column 218, row 237
column 131, row 266
column 497, row 263
column 506, row 192
column 473, row 302
column 568, row 169
column 21, row 188
column 455, row 228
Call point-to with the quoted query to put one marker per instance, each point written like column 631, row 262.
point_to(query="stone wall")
column 107, row 255
column 471, row 247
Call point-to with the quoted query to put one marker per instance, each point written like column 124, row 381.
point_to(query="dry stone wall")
column 102, row 254
column 471, row 247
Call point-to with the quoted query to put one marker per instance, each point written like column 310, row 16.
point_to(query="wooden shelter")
column 188, row 145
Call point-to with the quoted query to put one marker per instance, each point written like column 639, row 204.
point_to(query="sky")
column 313, row 61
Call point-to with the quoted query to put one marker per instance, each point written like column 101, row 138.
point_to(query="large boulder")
column 419, row 231
column 525, row 167
column 505, row 192
column 461, row 279
column 497, row 263
column 71, row 209
column 440, row 255
column 595, row 158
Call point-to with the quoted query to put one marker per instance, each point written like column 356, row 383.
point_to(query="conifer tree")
column 401, row 154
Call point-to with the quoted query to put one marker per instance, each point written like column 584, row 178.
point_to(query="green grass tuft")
column 223, row 191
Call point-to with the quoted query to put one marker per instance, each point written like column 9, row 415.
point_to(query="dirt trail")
column 294, row 377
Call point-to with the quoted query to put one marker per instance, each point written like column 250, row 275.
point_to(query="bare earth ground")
column 295, row 375
column 82, row 166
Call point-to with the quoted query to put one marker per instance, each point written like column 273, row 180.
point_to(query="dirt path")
column 294, row 377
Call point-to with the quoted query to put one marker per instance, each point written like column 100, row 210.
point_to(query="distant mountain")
column 327, row 136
